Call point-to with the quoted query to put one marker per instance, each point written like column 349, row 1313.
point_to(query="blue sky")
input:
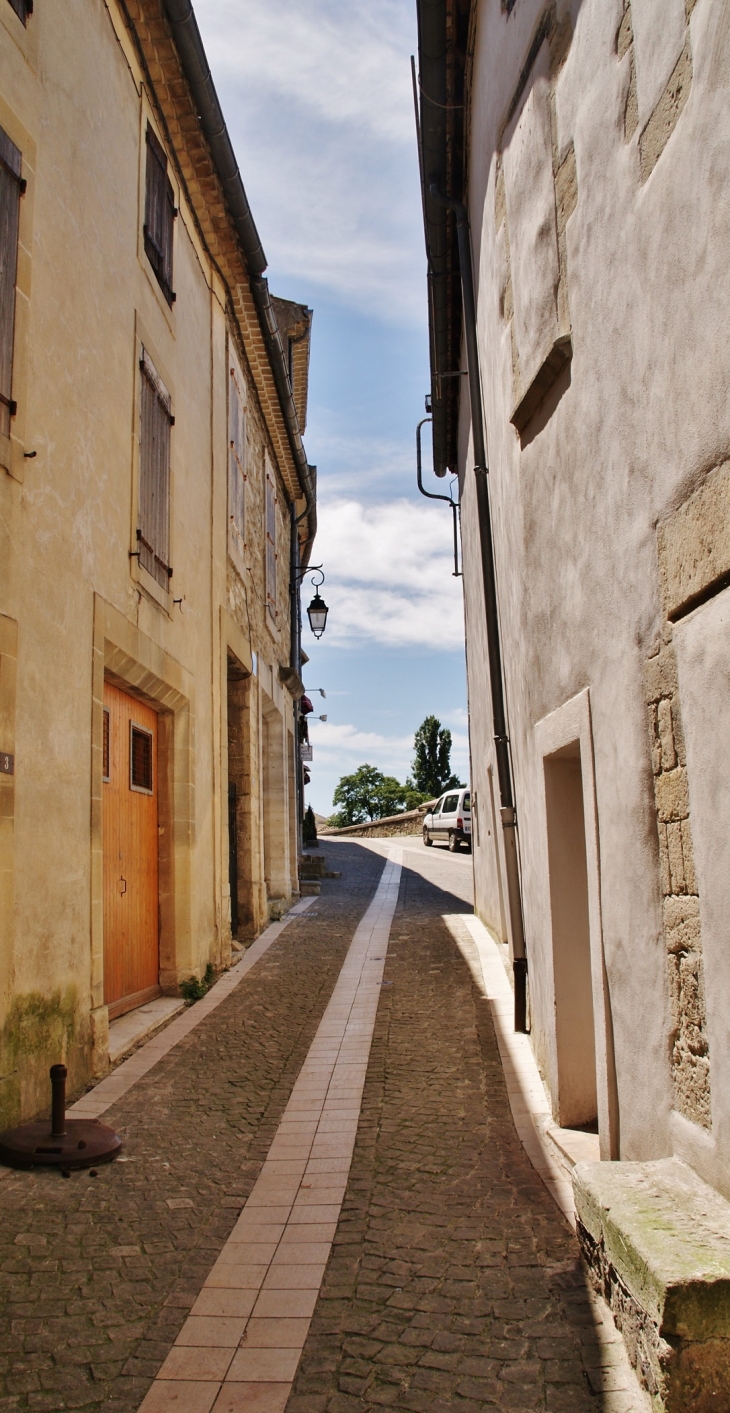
column 317, row 98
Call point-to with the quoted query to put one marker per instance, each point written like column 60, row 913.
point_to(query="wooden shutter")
column 153, row 530
column 11, row 189
column 236, row 465
column 159, row 215
column 270, row 542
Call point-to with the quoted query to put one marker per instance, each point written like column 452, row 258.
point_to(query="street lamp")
column 318, row 610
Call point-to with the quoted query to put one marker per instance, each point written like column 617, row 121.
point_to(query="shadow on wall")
column 538, row 422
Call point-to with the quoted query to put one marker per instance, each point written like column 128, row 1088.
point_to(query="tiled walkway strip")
column 108, row 1091
column 239, row 1348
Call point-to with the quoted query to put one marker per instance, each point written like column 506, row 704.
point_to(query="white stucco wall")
column 641, row 419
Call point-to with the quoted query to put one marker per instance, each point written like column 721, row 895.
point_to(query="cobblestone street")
column 449, row 1279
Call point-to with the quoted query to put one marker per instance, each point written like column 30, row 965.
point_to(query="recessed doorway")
column 131, row 866
column 577, row 1102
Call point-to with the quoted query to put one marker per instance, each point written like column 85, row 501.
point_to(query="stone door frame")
column 131, row 660
column 570, row 725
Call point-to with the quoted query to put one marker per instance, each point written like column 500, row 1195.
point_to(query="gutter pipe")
column 431, row 495
column 195, row 65
column 499, row 717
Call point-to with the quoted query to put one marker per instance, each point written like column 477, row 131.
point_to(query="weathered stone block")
column 676, row 858
column 678, row 731
column 692, row 998
column 682, row 923
column 691, row 1079
column 674, row 992
column 666, row 734
column 672, row 796
column 566, row 189
column 689, row 858
column 654, row 742
column 664, row 869
column 664, row 119
column 656, row 1240
column 694, row 543
column 625, row 36
column 660, row 675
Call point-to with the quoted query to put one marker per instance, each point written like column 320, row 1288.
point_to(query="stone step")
column 656, row 1240
column 573, row 1145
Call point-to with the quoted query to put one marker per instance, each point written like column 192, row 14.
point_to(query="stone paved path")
column 453, row 1281
column 97, row 1275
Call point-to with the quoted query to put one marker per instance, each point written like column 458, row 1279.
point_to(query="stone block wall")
column 410, row 823
column 690, row 1060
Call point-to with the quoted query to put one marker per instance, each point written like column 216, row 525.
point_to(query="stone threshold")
column 136, row 1026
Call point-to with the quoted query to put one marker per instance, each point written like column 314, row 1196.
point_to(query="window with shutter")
column 22, row 8
column 153, row 527
column 270, row 542
column 159, row 215
column 12, row 187
column 236, row 465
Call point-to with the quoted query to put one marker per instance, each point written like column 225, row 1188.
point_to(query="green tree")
column 309, row 827
column 368, row 794
column 432, row 759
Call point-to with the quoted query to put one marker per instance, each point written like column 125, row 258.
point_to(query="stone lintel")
column 657, row 1243
column 694, row 545
column 559, row 356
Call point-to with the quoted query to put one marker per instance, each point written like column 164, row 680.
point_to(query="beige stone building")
column 155, row 504
column 581, row 147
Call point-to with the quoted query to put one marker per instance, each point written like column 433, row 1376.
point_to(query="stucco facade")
column 591, row 159
column 211, row 647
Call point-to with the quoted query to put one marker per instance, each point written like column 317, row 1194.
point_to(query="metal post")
column 58, row 1100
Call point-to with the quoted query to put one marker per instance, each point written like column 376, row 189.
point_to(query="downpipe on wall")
column 499, row 718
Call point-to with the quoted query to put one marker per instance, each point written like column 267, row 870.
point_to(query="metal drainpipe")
column 501, row 740
column 431, row 495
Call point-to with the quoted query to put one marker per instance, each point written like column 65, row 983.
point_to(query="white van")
column 450, row 819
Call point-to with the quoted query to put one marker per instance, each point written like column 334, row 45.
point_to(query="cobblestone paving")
column 97, row 1275
column 454, row 1281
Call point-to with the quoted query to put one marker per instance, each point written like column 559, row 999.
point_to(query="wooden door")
column 131, row 900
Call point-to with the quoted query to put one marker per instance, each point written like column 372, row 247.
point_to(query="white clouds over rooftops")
column 389, row 574
column 317, row 98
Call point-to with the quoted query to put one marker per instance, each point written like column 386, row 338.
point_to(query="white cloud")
column 377, row 463
column 389, row 574
column 317, row 98
column 343, row 62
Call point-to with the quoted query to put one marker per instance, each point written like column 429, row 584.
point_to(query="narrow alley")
column 322, row 1203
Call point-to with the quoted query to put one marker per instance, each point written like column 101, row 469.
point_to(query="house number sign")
column 7, row 764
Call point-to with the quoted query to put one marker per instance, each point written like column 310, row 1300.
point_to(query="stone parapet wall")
column 409, row 823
